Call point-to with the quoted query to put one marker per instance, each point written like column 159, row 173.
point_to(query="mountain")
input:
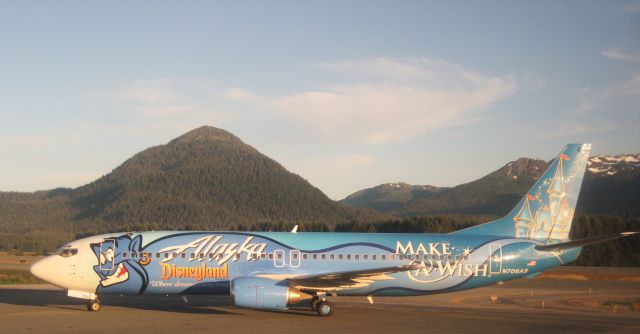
column 611, row 186
column 390, row 197
column 205, row 179
column 603, row 166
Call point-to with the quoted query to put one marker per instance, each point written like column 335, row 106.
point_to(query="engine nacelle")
column 264, row 293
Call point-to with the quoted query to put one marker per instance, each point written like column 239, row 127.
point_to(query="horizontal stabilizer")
column 581, row 242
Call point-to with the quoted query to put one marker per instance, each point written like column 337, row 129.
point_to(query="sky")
column 346, row 94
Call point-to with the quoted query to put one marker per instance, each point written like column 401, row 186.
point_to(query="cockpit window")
column 67, row 252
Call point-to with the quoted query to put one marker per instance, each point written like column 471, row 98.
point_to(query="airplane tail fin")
column 546, row 210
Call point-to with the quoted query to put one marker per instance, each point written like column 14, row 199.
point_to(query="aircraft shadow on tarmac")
column 59, row 299
column 195, row 304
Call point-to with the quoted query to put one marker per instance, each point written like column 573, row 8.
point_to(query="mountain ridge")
column 496, row 193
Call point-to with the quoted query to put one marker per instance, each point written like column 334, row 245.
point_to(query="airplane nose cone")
column 42, row 269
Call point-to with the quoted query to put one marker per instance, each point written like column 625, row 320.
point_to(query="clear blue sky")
column 348, row 94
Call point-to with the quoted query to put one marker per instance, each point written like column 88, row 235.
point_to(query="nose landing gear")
column 93, row 305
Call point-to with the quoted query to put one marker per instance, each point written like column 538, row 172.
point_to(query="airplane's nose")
column 43, row 269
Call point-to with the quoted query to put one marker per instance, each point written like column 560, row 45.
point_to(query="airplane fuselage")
column 206, row 262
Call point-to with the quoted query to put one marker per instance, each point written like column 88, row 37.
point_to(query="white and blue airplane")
column 273, row 270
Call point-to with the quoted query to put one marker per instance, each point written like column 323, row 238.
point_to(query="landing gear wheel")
column 324, row 308
column 93, row 306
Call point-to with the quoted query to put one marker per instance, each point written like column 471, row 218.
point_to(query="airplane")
column 274, row 270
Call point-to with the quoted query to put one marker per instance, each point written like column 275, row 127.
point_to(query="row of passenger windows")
column 364, row 257
column 304, row 256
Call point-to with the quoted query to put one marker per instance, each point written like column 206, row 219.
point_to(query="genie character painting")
column 118, row 270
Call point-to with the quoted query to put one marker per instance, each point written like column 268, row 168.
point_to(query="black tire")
column 93, row 306
column 314, row 304
column 324, row 308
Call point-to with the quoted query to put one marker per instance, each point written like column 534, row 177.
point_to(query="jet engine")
column 264, row 293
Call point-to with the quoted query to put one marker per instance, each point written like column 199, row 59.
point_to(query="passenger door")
column 495, row 259
column 280, row 260
column 107, row 254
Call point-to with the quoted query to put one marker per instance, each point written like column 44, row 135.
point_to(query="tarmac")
column 521, row 306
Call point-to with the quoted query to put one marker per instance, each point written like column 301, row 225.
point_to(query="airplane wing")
column 581, row 242
column 349, row 279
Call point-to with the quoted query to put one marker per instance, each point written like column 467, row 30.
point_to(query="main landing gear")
column 323, row 307
column 93, row 305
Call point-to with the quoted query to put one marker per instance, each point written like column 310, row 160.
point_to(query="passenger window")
column 323, row 256
column 183, row 255
column 279, row 256
column 348, row 256
column 340, row 256
column 365, row 257
column 270, row 256
column 157, row 255
column 166, row 255
column 373, row 257
column 134, row 255
column 356, row 257
column 392, row 257
column 238, row 256
column 304, row 256
column 331, row 256
column 315, row 256
column 124, row 255
column 263, row 256
column 211, row 255
column 384, row 257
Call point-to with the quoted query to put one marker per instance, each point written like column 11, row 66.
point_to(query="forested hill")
column 205, row 179
column 611, row 186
